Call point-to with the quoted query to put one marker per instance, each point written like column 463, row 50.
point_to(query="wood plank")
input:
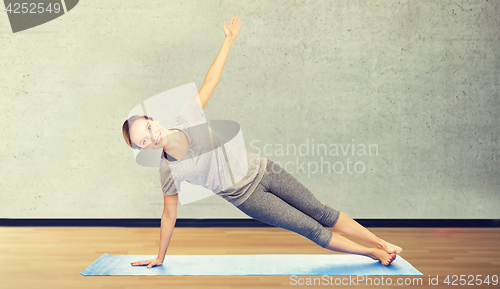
column 54, row 257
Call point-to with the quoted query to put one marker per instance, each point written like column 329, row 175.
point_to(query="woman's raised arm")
column 215, row 71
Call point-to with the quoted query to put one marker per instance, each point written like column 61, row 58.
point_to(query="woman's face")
column 148, row 134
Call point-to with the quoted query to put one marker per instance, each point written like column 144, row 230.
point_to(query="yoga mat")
column 275, row 264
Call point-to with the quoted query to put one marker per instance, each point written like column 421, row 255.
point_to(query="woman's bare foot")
column 390, row 248
column 384, row 257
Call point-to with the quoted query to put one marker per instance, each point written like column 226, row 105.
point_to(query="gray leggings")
column 282, row 201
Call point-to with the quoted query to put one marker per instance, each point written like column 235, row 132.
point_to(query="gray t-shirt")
column 211, row 161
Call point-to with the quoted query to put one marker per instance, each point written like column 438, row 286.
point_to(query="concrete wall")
column 417, row 80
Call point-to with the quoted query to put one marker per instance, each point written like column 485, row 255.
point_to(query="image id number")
column 33, row 8
column 471, row 280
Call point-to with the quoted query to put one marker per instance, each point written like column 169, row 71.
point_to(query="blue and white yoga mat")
column 275, row 264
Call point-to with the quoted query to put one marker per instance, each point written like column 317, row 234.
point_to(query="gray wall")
column 417, row 80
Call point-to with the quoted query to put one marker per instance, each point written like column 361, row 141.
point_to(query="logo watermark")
column 327, row 280
column 311, row 158
column 464, row 279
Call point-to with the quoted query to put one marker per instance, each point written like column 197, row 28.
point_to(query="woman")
column 256, row 186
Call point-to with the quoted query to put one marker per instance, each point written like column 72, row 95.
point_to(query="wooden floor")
column 54, row 257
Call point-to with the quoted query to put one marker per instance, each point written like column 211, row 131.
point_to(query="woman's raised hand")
column 233, row 28
column 150, row 263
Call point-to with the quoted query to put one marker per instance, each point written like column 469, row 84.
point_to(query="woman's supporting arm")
column 215, row 71
column 168, row 219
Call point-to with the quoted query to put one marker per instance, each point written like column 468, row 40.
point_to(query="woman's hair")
column 126, row 129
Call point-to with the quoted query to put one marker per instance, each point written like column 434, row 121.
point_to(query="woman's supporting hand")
column 232, row 30
column 150, row 263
